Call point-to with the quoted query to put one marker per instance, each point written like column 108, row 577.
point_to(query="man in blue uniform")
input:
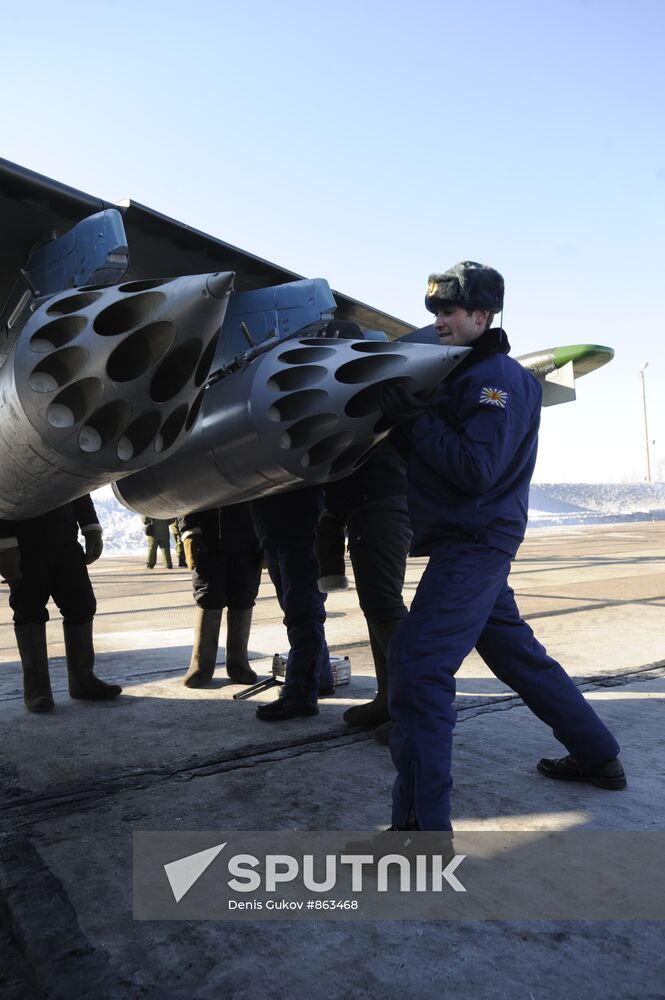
column 471, row 455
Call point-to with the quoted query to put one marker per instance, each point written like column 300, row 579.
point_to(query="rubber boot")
column 80, row 661
column 375, row 712
column 31, row 642
column 204, row 652
column 238, row 624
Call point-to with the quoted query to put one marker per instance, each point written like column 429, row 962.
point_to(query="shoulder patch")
column 493, row 397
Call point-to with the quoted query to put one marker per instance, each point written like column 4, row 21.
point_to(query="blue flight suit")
column 470, row 462
column 285, row 524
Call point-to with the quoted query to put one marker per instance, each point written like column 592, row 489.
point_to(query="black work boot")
column 284, row 708
column 31, row 642
column 204, row 651
column 80, row 661
column 609, row 775
column 375, row 712
column 238, row 625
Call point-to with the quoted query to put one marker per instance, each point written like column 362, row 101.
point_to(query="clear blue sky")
column 371, row 143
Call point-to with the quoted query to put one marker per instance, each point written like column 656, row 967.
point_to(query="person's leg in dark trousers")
column 28, row 598
column 452, row 603
column 71, row 588
column 209, row 589
column 379, row 540
column 151, row 557
column 462, row 601
column 512, row 652
column 166, row 553
column 72, row 592
column 60, row 571
column 294, row 572
column 243, row 576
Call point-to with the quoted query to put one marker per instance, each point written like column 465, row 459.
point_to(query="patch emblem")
column 493, row 397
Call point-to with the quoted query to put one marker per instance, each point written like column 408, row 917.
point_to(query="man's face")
column 456, row 328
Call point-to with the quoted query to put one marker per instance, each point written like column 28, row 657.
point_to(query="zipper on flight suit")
column 412, row 820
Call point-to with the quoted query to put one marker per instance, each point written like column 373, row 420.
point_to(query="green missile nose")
column 585, row 357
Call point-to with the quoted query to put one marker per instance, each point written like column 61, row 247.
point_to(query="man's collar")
column 493, row 341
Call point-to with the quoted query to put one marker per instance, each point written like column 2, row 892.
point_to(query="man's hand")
column 10, row 563
column 397, row 403
column 193, row 545
column 94, row 544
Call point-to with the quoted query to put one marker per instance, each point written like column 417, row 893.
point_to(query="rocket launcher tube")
column 102, row 381
column 306, row 411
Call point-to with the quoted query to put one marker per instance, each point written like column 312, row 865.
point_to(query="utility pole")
column 646, row 426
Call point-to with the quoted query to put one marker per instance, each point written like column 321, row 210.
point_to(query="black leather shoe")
column 284, row 709
column 608, row 775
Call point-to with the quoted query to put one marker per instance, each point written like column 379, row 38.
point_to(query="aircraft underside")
column 138, row 351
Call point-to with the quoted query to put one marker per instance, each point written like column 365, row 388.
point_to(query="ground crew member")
column 223, row 553
column 472, row 451
column 371, row 505
column 159, row 537
column 177, row 542
column 41, row 558
column 285, row 524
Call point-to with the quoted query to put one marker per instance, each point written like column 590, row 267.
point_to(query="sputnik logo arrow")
column 183, row 873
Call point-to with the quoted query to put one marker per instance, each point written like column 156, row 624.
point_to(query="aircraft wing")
column 34, row 208
column 125, row 334
column 135, row 349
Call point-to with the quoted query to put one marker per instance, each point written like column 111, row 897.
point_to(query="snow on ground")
column 551, row 505
column 564, row 504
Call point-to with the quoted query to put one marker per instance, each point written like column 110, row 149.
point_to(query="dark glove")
column 193, row 545
column 10, row 564
column 397, row 403
column 94, row 544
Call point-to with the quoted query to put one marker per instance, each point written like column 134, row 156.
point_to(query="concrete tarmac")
column 75, row 784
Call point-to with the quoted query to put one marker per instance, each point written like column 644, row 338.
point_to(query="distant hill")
column 123, row 530
column 551, row 505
